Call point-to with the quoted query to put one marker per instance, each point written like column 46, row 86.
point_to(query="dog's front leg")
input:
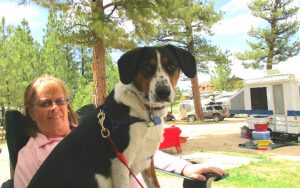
column 149, row 176
column 120, row 174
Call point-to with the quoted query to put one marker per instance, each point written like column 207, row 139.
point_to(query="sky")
column 229, row 34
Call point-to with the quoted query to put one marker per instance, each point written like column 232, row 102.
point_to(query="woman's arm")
column 169, row 163
column 179, row 166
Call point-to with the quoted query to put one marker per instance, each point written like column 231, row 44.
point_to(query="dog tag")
column 156, row 120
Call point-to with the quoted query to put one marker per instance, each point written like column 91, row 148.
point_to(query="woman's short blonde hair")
column 51, row 85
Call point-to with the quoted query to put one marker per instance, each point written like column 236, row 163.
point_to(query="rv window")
column 278, row 99
column 259, row 99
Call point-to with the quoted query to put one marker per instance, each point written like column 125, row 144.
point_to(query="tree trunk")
column 197, row 101
column 272, row 40
column 98, row 66
column 82, row 62
column 194, row 81
column 99, row 73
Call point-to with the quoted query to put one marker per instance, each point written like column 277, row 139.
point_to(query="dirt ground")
column 225, row 136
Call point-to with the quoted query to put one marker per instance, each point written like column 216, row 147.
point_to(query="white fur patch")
column 103, row 182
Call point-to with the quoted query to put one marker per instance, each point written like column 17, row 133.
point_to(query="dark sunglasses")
column 46, row 103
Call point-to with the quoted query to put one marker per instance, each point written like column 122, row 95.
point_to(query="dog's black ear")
column 187, row 61
column 127, row 65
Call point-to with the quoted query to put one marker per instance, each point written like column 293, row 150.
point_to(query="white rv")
column 273, row 99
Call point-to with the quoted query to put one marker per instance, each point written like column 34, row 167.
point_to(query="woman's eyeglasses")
column 46, row 103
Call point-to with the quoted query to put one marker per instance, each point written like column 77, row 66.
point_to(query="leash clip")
column 101, row 117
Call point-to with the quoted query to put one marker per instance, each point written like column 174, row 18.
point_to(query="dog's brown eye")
column 171, row 68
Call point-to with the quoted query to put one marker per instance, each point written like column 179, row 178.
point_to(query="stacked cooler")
column 262, row 136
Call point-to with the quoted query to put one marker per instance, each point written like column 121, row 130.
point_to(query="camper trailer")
column 273, row 100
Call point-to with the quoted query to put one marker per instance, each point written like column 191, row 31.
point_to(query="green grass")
column 230, row 153
column 266, row 173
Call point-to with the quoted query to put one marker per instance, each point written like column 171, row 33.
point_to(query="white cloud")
column 235, row 6
column 291, row 66
column 239, row 71
column 14, row 13
column 237, row 19
column 238, row 24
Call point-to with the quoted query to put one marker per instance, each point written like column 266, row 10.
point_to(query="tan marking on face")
column 142, row 83
column 164, row 60
column 153, row 61
column 174, row 78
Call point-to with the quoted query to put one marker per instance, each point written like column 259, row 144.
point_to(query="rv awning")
column 270, row 79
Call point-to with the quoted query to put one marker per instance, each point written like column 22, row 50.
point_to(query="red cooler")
column 261, row 127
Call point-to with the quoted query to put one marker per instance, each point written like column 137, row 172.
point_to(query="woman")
column 46, row 102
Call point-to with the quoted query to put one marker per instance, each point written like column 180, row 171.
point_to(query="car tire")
column 216, row 117
column 191, row 118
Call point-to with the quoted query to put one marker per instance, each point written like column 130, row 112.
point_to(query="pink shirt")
column 32, row 155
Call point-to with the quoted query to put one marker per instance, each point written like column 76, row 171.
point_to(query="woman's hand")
column 196, row 171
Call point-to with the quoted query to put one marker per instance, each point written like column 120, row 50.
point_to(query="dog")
column 131, row 116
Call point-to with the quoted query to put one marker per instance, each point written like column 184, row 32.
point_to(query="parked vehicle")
column 273, row 100
column 215, row 111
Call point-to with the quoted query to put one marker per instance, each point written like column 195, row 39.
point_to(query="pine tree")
column 221, row 75
column 55, row 57
column 21, row 59
column 5, row 32
column 275, row 43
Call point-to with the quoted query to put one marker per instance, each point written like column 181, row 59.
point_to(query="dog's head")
column 154, row 71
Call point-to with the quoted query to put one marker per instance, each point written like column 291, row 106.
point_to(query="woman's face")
column 50, row 113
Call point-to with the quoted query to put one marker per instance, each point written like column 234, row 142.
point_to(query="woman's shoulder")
column 29, row 145
column 34, row 142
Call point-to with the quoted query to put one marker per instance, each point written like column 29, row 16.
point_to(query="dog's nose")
column 162, row 92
